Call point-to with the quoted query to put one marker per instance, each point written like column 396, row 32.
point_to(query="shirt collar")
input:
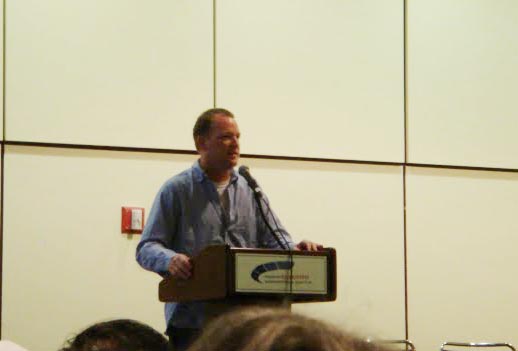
column 200, row 176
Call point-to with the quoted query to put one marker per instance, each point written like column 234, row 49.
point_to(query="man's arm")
column 154, row 252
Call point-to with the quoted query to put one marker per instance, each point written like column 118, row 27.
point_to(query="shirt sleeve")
column 268, row 239
column 154, row 250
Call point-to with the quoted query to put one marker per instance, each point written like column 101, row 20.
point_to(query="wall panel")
column 314, row 80
column 461, row 256
column 463, row 81
column 119, row 73
column 65, row 259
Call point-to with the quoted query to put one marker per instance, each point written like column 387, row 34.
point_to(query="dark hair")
column 117, row 335
column 260, row 329
column 204, row 121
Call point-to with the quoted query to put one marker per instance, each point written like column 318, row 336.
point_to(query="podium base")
column 216, row 308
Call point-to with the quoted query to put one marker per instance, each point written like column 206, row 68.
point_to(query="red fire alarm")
column 132, row 220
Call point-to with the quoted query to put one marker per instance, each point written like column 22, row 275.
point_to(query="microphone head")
column 243, row 170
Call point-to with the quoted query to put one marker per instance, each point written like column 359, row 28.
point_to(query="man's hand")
column 308, row 246
column 180, row 266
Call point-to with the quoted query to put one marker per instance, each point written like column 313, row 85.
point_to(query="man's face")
column 220, row 148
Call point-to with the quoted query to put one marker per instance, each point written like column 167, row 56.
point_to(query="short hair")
column 267, row 329
column 204, row 121
column 117, row 335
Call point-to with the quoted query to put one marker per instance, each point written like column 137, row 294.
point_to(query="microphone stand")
column 285, row 245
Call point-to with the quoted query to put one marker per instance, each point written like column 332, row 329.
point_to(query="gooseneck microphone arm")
column 252, row 183
column 258, row 194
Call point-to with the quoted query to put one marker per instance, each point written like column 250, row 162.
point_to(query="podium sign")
column 280, row 273
column 224, row 273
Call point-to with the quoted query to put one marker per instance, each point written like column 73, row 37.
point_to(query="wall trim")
column 255, row 156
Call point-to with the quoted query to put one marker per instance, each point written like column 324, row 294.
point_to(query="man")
column 205, row 205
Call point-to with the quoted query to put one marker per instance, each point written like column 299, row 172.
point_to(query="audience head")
column 259, row 329
column 117, row 335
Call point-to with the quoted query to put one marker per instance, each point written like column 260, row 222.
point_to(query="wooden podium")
column 228, row 277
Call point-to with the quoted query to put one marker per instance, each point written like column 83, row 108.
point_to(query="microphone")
column 252, row 183
column 245, row 172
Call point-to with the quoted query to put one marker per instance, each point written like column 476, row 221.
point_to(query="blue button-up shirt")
column 187, row 216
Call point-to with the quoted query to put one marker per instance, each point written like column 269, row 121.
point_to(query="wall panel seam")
column 405, row 143
column 2, row 154
column 214, row 77
column 256, row 156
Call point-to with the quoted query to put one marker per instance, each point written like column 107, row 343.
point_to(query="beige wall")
column 305, row 79
column 462, row 82
column 108, row 72
column 303, row 63
column 81, row 268
column 462, row 237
